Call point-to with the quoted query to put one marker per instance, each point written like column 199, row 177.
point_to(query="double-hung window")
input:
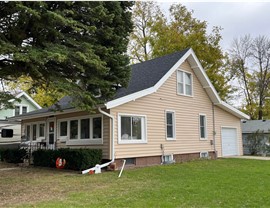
column 184, row 83
column 202, row 121
column 170, row 125
column 132, row 129
column 20, row 109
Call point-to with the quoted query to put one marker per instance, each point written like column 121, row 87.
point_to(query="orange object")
column 60, row 163
column 91, row 172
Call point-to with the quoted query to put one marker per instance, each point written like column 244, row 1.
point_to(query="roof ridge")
column 161, row 57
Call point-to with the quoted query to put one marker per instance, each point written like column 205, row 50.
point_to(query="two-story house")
column 169, row 111
column 26, row 105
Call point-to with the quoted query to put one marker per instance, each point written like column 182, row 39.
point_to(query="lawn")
column 207, row 183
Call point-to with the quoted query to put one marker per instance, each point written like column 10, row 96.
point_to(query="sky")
column 236, row 18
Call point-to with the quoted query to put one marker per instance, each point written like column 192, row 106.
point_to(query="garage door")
column 229, row 142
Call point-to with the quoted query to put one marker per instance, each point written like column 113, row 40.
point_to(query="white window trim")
column 38, row 138
column 21, row 107
column 174, row 124
column 80, row 141
column 144, row 130
column 184, row 84
column 201, row 114
column 62, row 138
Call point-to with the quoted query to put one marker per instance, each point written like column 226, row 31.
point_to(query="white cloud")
column 236, row 18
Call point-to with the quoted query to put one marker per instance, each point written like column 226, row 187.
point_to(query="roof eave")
column 39, row 115
column 201, row 75
column 28, row 98
column 232, row 110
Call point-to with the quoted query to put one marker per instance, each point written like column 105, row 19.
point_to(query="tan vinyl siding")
column 153, row 106
column 224, row 119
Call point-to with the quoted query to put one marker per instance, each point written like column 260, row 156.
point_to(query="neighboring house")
column 26, row 105
column 169, row 111
column 250, row 127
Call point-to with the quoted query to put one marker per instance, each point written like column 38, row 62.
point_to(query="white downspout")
column 112, row 132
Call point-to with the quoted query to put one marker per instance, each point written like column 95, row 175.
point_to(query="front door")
column 50, row 141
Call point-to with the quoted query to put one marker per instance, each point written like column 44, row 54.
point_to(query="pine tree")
column 77, row 48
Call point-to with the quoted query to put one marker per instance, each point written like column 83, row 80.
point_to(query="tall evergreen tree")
column 75, row 47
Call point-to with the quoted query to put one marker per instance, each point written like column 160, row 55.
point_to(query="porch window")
column 63, row 128
column 28, row 133
column 42, row 130
column 132, row 129
column 85, row 128
column 74, row 129
column 81, row 131
column 34, row 128
column 97, row 128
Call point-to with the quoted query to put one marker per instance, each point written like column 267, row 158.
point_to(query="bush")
column 12, row 155
column 76, row 159
column 257, row 143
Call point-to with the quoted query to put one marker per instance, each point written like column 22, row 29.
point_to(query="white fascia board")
column 200, row 72
column 233, row 110
column 128, row 98
column 136, row 95
column 28, row 98
column 172, row 70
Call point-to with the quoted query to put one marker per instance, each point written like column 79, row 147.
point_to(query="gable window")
column 202, row 121
column 20, row 109
column 184, row 83
column 170, row 125
column 24, row 109
column 132, row 129
column 17, row 110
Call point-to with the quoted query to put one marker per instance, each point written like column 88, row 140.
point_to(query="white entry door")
column 50, row 141
column 229, row 142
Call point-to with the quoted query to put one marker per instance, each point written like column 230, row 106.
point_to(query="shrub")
column 76, row 159
column 12, row 155
column 257, row 143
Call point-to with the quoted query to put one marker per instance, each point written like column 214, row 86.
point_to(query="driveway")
column 250, row 157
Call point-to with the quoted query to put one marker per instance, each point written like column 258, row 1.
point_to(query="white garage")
column 229, row 141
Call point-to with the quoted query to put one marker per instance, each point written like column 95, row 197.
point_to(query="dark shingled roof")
column 146, row 74
column 143, row 76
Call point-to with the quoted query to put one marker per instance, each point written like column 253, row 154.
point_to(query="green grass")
column 218, row 183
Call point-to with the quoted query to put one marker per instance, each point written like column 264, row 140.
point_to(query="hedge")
column 12, row 155
column 76, row 159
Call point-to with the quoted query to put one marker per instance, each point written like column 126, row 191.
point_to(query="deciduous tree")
column 180, row 32
column 250, row 62
column 144, row 15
